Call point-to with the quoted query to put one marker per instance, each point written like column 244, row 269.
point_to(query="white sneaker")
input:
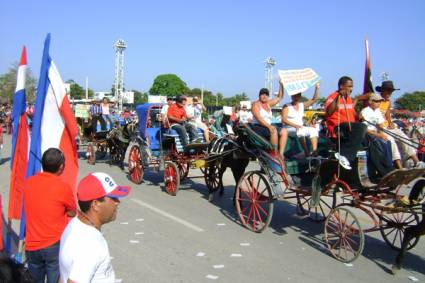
column 420, row 165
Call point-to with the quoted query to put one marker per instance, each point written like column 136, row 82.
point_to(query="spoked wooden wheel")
column 254, row 201
column 319, row 212
column 135, row 168
column 171, row 178
column 393, row 227
column 184, row 170
column 91, row 154
column 212, row 178
column 344, row 236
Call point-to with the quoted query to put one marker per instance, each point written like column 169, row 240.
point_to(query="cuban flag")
column 20, row 142
column 54, row 123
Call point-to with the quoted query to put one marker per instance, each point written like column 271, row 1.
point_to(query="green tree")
column 139, row 97
column 411, row 101
column 168, row 85
column 76, row 91
column 8, row 84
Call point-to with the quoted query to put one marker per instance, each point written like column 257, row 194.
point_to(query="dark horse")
column 227, row 152
column 413, row 231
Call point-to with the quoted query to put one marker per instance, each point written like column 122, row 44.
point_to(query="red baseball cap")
column 97, row 185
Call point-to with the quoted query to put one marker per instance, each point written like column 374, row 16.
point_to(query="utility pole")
column 87, row 88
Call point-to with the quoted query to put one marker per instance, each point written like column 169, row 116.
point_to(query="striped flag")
column 20, row 142
column 54, row 123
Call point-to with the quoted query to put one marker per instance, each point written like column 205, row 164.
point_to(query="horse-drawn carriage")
column 336, row 191
column 158, row 148
column 98, row 141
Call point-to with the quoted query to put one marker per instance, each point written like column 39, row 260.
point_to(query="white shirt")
column 266, row 115
column 190, row 111
column 84, row 255
column 296, row 116
column 245, row 116
column 197, row 112
column 372, row 116
column 164, row 109
column 105, row 109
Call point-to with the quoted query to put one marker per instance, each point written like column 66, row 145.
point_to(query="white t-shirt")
column 296, row 116
column 372, row 116
column 84, row 255
column 197, row 112
column 105, row 109
column 245, row 116
column 190, row 111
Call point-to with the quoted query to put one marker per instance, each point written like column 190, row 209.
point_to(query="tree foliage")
column 139, row 97
column 168, row 85
column 8, row 84
column 77, row 91
column 411, row 101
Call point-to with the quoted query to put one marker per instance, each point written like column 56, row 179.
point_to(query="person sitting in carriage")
column 164, row 111
column 292, row 118
column 178, row 120
column 407, row 150
column 262, row 120
column 371, row 115
column 95, row 112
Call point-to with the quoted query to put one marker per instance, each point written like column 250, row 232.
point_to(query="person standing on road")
column 48, row 202
column 84, row 253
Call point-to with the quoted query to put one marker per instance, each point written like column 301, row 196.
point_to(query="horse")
column 411, row 232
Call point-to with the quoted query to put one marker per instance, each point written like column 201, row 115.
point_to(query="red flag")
column 20, row 143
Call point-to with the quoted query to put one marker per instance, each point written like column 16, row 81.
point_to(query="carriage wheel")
column 135, row 168
column 91, row 154
column 183, row 170
column 254, row 201
column 212, row 178
column 321, row 210
column 393, row 227
column 344, row 236
column 171, row 178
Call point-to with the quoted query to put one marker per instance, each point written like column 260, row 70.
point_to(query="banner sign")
column 81, row 111
column 296, row 81
column 157, row 99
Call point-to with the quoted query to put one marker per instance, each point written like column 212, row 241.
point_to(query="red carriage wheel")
column 344, row 236
column 91, row 154
column 135, row 168
column 254, row 201
column 171, row 178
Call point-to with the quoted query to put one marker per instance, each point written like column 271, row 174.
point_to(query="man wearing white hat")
column 84, row 254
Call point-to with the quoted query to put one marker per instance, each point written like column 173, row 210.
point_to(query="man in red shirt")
column 177, row 117
column 48, row 202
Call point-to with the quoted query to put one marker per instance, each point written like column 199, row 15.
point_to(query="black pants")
column 94, row 120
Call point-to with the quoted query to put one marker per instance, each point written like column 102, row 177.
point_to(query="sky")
column 222, row 44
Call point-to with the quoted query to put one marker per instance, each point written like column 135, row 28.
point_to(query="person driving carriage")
column 178, row 120
column 96, row 115
column 262, row 120
column 292, row 117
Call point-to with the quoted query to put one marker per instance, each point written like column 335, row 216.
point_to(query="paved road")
column 160, row 238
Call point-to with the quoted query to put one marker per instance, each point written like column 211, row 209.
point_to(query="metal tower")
column 119, row 47
column 270, row 62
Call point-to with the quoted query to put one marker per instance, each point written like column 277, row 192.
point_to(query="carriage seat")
column 255, row 139
column 399, row 177
column 153, row 135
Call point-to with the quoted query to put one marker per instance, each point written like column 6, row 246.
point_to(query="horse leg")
column 410, row 233
column 238, row 169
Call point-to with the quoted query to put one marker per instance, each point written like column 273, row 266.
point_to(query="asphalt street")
column 185, row 238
